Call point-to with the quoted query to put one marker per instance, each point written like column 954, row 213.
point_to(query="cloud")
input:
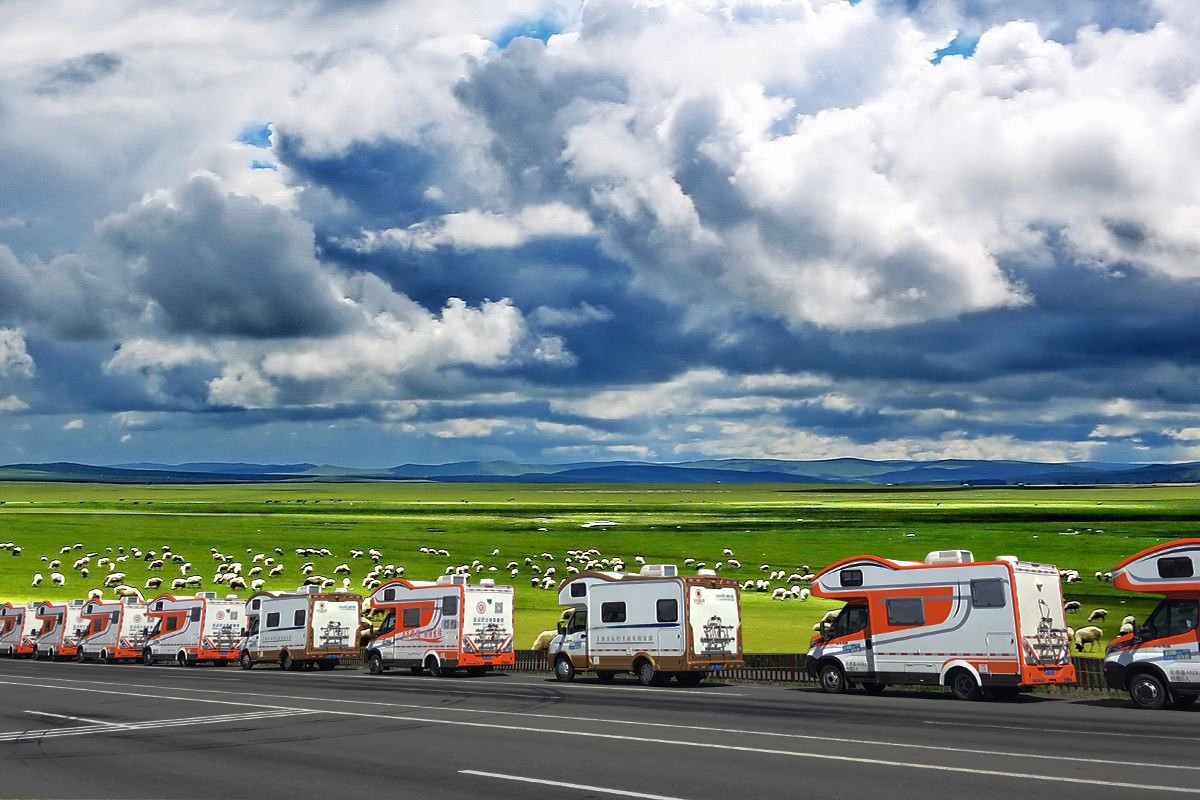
column 11, row 404
column 74, row 425
column 14, row 359
column 473, row 229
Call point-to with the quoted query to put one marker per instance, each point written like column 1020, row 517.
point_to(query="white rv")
column 656, row 624
column 113, row 630
column 187, row 630
column 1159, row 663
column 15, row 635
column 443, row 626
column 301, row 629
column 56, row 638
column 975, row 626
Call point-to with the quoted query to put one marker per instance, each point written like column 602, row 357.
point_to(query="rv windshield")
column 852, row 620
column 155, row 628
column 389, row 624
column 578, row 621
column 1171, row 618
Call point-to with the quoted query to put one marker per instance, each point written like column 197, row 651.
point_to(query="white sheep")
column 1126, row 627
column 1072, row 606
column 805, row 594
column 276, row 570
column 95, row 594
column 113, row 578
column 257, row 584
column 37, row 579
column 128, row 591
column 155, row 582
column 341, row 569
column 157, row 563
column 1087, row 636
column 1098, row 615
column 178, row 583
column 193, row 580
column 1129, row 620
column 831, row 615
column 57, row 579
column 780, row 594
column 237, row 582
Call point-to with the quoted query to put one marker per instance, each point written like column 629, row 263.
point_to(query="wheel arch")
column 949, row 667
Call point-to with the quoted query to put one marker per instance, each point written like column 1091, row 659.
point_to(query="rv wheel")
column 286, row 662
column 1146, row 690
column 79, row 656
column 375, row 664
column 870, row 687
column 246, row 661
column 564, row 670
column 646, row 674
column 605, row 676
column 833, row 680
column 107, row 658
column 435, row 667
column 147, row 657
column 964, row 685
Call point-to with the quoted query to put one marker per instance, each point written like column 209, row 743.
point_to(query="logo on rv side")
column 220, row 616
column 481, row 607
column 699, row 596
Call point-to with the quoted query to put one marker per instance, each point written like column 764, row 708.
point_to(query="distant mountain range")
column 846, row 471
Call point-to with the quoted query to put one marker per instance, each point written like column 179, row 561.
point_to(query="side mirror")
column 824, row 629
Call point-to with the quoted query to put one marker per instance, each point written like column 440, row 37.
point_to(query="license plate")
column 487, row 658
column 1051, row 671
column 716, row 667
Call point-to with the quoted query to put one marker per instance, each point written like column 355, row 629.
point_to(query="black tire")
column 375, row 663
column 646, row 674
column 832, row 679
column 605, row 676
column 964, row 685
column 564, row 670
column 873, row 687
column 1148, row 691
column 689, row 679
column 245, row 661
column 107, row 657
column 285, row 661
column 147, row 657
column 416, row 670
column 477, row 672
column 435, row 668
column 326, row 664
column 79, row 656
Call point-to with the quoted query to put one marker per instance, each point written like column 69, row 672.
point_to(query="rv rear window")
column 412, row 617
column 612, row 612
column 1180, row 567
column 987, row 593
column 579, row 589
column 667, row 610
column 273, row 619
column 450, row 605
column 298, row 617
column 852, row 577
column 906, row 611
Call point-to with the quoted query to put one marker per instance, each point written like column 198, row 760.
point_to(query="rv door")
column 575, row 640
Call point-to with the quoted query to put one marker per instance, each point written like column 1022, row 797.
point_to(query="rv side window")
column 987, row 593
column 273, row 619
column 612, row 612
column 1180, row 567
column 852, row 577
column 412, row 617
column 389, row 623
column 389, row 595
column 115, row 616
column 667, row 610
column 579, row 589
column 450, row 605
column 298, row 617
column 172, row 623
column 195, row 614
column 1172, row 618
column 906, row 611
column 256, row 604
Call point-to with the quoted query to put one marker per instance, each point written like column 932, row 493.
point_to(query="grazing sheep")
column 157, row 563
column 1126, row 628
column 95, row 594
column 276, row 570
column 780, row 594
column 237, row 582
column 193, row 580
column 37, row 579
column 1087, row 636
column 257, row 584
column 255, row 571
column 178, row 583
column 1072, row 606
column 341, row 569
column 127, row 591
column 831, row 615
column 57, row 579
column 1129, row 620
column 154, row 583
column 1098, row 615
column 805, row 594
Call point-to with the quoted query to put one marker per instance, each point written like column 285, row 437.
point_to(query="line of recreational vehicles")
column 978, row 627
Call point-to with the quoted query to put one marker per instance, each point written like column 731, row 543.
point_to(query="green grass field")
column 784, row 526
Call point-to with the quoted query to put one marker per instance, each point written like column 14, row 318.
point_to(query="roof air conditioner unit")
column 949, row 557
column 660, row 570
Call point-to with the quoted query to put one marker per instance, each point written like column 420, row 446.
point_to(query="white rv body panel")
column 301, row 628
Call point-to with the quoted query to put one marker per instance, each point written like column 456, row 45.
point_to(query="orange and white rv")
column 443, row 626
column 113, row 630
column 188, row 630
column 995, row 627
column 58, row 634
column 657, row 624
column 1159, row 663
column 15, row 639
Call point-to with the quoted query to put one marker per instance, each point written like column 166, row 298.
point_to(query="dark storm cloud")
column 223, row 265
column 76, row 73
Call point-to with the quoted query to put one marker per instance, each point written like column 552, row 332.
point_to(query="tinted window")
column 1171, row 618
column 172, row 623
column 612, row 612
column 195, row 614
column 389, row 623
column 450, row 605
column 667, row 610
column 852, row 620
column 1180, row 567
column 906, row 611
column 412, row 617
column 389, row 595
column 852, row 577
column 988, row 593
column 298, row 617
column 273, row 619
column 579, row 589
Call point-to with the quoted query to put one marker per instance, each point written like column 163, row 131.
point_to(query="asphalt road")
column 128, row 731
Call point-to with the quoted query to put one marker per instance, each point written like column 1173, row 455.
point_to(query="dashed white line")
column 563, row 785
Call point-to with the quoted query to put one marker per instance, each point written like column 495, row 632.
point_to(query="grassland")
column 786, row 527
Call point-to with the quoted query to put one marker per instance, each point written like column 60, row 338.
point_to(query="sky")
column 370, row 232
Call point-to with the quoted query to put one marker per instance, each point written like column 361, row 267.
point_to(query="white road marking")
column 73, row 719
column 670, row 726
column 1120, row 734
column 492, row 726
column 59, row 733
column 562, row 785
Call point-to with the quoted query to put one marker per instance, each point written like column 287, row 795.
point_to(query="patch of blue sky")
column 962, row 45
column 258, row 135
column 540, row 29
column 256, row 164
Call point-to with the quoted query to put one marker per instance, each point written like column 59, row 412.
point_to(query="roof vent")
column 708, row 573
column 207, row 595
column 660, row 570
column 487, row 582
column 308, row 588
column 76, row 603
column 950, row 557
column 1009, row 559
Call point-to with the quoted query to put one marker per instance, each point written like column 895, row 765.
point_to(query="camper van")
column 188, row 630
column 15, row 632
column 113, row 630
column 657, row 624
column 57, row 636
column 442, row 626
column 301, row 629
column 980, row 627
column 1159, row 663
